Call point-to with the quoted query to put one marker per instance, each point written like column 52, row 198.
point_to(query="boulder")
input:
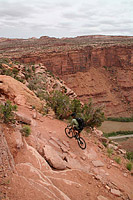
column 122, row 151
column 103, row 139
column 100, row 197
column 17, row 91
column 116, row 192
column 23, row 118
column 112, row 146
column 53, row 158
column 98, row 163
column 97, row 132
column 18, row 139
column 20, row 100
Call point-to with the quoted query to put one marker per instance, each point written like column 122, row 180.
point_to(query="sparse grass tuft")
column 105, row 144
column 26, row 130
column 110, row 152
column 117, row 159
column 129, row 155
column 129, row 166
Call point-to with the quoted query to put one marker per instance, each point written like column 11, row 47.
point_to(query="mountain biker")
column 74, row 124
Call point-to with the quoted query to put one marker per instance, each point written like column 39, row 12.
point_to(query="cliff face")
column 98, row 67
column 104, row 74
column 72, row 61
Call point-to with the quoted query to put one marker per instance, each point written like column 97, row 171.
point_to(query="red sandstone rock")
column 53, row 158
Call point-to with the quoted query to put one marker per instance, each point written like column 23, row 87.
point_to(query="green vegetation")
column 75, row 106
column 5, row 182
column 117, row 133
column 50, row 73
column 110, row 151
column 117, row 159
column 105, row 144
column 63, row 107
column 105, row 67
column 26, row 130
column 129, row 166
column 60, row 104
column 129, row 155
column 121, row 119
column 37, row 83
column 96, row 117
column 8, row 70
column 28, row 72
column 4, row 60
column 7, row 112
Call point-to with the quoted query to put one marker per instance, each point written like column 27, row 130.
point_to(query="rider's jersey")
column 74, row 123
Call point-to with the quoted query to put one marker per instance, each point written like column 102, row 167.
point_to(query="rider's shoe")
column 80, row 141
column 77, row 137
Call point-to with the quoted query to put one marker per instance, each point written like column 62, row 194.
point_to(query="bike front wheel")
column 81, row 143
column 69, row 132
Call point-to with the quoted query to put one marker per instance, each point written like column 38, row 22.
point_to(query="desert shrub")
column 32, row 84
column 15, row 72
column 75, row 106
column 38, row 84
column 4, row 60
column 97, row 118
column 7, row 112
column 6, row 72
column 129, row 166
column 45, row 110
column 40, row 94
column 26, row 130
column 27, row 72
column 33, row 68
column 63, row 107
column 10, row 72
column 60, row 103
column 88, row 111
column 19, row 79
column 92, row 115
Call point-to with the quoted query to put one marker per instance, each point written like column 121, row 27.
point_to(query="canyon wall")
column 104, row 74
column 94, row 67
column 80, row 60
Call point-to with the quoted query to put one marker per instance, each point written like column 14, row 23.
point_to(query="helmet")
column 73, row 114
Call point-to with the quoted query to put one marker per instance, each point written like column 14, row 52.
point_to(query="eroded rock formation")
column 104, row 63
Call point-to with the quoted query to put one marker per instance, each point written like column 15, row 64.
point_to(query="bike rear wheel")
column 81, row 143
column 69, row 132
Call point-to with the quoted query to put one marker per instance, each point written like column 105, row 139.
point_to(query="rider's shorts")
column 77, row 129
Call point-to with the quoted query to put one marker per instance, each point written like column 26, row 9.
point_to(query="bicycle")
column 70, row 132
